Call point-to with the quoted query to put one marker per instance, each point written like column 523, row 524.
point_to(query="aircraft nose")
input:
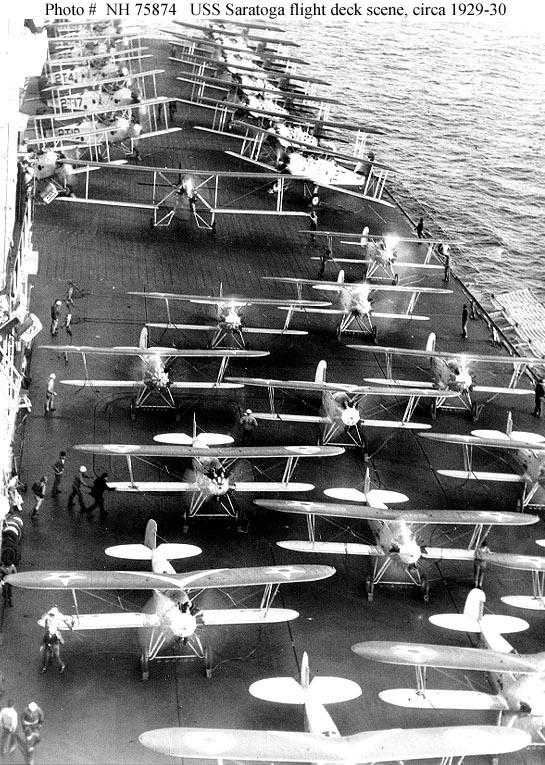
column 409, row 553
column 183, row 625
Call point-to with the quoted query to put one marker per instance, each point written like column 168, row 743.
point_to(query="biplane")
column 231, row 325
column 204, row 194
column 529, row 449
column 453, row 372
column 355, row 310
column 342, row 409
column 211, row 477
column 322, row 740
column 517, row 681
column 171, row 617
column 397, row 535
column 155, row 389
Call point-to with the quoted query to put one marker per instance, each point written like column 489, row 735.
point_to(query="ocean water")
column 464, row 107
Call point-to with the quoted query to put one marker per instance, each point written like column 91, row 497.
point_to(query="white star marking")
column 65, row 578
column 286, row 571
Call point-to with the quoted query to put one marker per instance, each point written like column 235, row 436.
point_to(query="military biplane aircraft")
column 381, row 252
column 340, row 406
column 170, row 617
column 90, row 69
column 204, row 193
column 105, row 95
column 452, row 372
column 322, row 741
column 95, row 135
column 156, row 381
column 231, row 325
column 529, row 451
column 518, row 681
column 397, row 534
column 356, row 302
column 211, row 476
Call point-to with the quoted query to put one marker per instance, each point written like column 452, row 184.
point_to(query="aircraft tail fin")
column 150, row 537
column 432, row 339
column 143, row 341
column 340, row 277
column 321, row 371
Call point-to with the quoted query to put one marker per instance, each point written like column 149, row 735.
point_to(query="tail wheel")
column 208, row 659
column 433, row 409
column 133, row 410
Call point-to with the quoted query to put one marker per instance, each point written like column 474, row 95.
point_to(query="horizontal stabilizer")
column 332, row 548
column 441, row 699
column 374, row 497
column 479, row 475
column 458, row 622
column 490, row 623
column 525, row 601
column 323, row 690
column 182, row 439
column 169, row 551
column 220, row 616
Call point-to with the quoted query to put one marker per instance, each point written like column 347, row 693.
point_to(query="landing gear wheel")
column 433, row 409
column 519, row 507
column 177, row 415
column 185, row 525
column 374, row 333
column 208, row 658
column 144, row 667
column 214, row 230
column 243, row 523
column 151, row 224
column 369, row 589
column 247, row 346
column 474, row 412
column 338, row 332
column 395, row 281
column 133, row 410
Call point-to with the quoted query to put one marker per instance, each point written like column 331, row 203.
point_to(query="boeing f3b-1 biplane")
column 204, row 194
column 452, row 372
column 231, row 326
column 212, row 474
column 355, row 299
column 322, row 741
column 155, row 389
column 397, row 536
column 171, row 618
column 517, row 681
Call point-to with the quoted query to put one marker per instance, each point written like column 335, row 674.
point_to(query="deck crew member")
column 248, row 423
column 50, row 393
column 58, row 470
column 465, row 319
column 480, row 563
column 539, row 393
column 80, row 481
column 419, row 228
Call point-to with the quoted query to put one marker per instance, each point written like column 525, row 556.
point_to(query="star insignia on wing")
column 285, row 571
column 65, row 578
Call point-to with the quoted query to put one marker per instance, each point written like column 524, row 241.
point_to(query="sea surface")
column 464, row 107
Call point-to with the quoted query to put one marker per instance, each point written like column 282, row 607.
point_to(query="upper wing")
column 238, row 302
column 127, row 350
column 451, row 517
column 136, row 580
column 368, row 747
column 491, row 443
column 234, row 452
column 356, row 390
column 446, row 657
column 485, row 359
